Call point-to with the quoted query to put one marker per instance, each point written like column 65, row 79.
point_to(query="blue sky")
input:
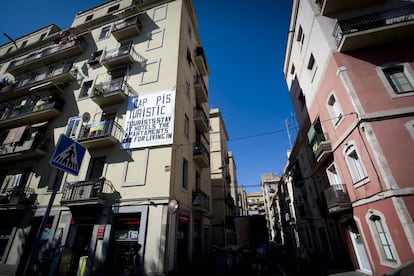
column 245, row 44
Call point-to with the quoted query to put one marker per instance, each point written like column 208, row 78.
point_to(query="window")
column 198, row 181
column 187, row 88
column 311, row 62
column 73, row 127
column 189, row 32
column 189, row 59
column 42, row 37
column 301, row 100
column 292, row 69
column 95, row 57
column 355, row 165
column 186, row 125
column 382, row 238
column 398, row 79
column 86, row 86
column 333, row 175
column 334, row 109
column 184, row 183
column 300, row 37
column 23, row 43
column 10, row 49
column 105, row 32
column 410, row 127
column 89, row 18
column 113, row 8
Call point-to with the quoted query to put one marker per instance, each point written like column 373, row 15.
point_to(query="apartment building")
column 270, row 185
column 128, row 81
column 222, row 181
column 349, row 70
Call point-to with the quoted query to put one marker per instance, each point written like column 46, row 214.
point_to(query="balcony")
column 200, row 89
column 53, row 76
column 201, row 199
column 124, row 29
column 27, row 111
column 123, row 55
column 112, row 92
column 333, row 6
column 337, row 198
column 48, row 55
column 375, row 28
column 33, row 147
column 201, row 61
column 100, row 134
column 201, row 154
column 17, row 198
column 201, row 120
column 87, row 192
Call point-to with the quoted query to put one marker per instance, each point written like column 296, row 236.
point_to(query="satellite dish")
column 86, row 117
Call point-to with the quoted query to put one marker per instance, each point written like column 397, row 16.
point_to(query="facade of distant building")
column 224, row 204
column 255, row 204
column 270, row 185
column 129, row 82
column 349, row 70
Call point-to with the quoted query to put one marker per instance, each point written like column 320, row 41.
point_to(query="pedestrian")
column 302, row 260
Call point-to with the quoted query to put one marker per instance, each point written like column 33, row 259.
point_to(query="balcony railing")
column 332, row 6
column 59, row 74
column 201, row 119
column 112, row 92
column 337, row 198
column 99, row 134
column 321, row 146
column 200, row 89
column 49, row 54
column 201, row 61
column 201, row 199
column 121, row 56
column 30, row 110
column 127, row 28
column 34, row 147
column 17, row 198
column 201, row 154
column 371, row 29
column 87, row 192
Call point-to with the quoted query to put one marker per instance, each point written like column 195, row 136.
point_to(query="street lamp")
column 172, row 209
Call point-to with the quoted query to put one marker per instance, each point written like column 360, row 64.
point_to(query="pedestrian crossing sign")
column 68, row 155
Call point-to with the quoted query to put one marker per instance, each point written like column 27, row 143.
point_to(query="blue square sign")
column 68, row 155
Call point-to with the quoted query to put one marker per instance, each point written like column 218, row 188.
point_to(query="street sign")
column 68, row 155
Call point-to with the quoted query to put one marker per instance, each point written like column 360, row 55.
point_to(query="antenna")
column 287, row 124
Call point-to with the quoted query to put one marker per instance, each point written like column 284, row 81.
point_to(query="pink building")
column 349, row 69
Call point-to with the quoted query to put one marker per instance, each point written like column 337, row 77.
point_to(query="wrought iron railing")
column 45, row 52
column 201, row 199
column 101, row 129
column 86, row 190
column 337, row 196
column 122, row 51
column 120, row 84
column 373, row 20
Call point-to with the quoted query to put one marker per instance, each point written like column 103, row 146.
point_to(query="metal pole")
column 40, row 231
